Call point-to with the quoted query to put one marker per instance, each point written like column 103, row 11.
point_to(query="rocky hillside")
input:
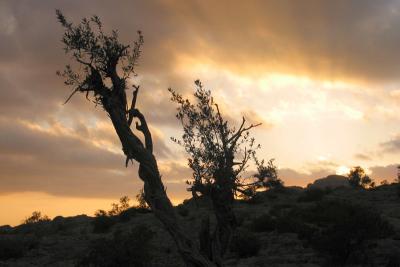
column 286, row 227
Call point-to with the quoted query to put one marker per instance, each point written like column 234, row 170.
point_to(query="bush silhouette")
column 279, row 209
column 245, row 244
column 118, row 208
column 263, row 223
column 126, row 215
column 312, row 194
column 289, row 224
column 102, row 222
column 15, row 246
column 36, row 217
column 347, row 236
column 132, row 249
column 338, row 230
column 358, row 178
column 140, row 198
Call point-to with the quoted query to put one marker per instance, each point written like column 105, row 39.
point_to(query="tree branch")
column 234, row 138
column 143, row 128
column 133, row 104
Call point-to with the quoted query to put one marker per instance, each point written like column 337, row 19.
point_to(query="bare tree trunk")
column 222, row 199
column 215, row 245
column 155, row 193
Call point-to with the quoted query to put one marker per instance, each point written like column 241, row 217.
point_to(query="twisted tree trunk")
column 98, row 55
column 155, row 193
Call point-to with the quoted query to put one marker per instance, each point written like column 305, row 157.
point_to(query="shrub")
column 263, row 223
column 278, row 209
column 268, row 175
column 117, row 208
column 141, row 199
column 5, row 229
column 15, row 246
column 345, row 229
column 132, row 249
column 338, row 230
column 312, row 194
column 102, row 223
column 127, row 214
column 36, row 217
column 245, row 244
column 289, row 224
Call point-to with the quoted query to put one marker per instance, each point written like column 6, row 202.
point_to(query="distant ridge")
column 332, row 181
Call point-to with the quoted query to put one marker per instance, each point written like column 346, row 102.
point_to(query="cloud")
column 58, row 162
column 292, row 177
column 7, row 21
column 346, row 39
column 380, row 173
column 391, row 146
column 253, row 117
column 361, row 156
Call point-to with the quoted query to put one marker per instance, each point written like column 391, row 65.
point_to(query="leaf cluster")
column 99, row 54
column 215, row 148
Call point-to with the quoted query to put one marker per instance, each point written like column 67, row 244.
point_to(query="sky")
column 321, row 76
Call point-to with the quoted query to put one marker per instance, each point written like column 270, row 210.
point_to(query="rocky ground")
column 289, row 227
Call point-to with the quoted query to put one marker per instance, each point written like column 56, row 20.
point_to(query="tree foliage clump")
column 358, row 178
column 36, row 217
column 267, row 175
column 118, row 208
column 140, row 198
column 99, row 54
column 219, row 154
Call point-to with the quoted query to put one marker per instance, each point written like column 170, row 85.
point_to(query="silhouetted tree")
column 218, row 155
column 384, row 182
column 358, row 178
column 105, row 65
column 141, row 200
column 267, row 175
column 36, row 217
column 117, row 208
